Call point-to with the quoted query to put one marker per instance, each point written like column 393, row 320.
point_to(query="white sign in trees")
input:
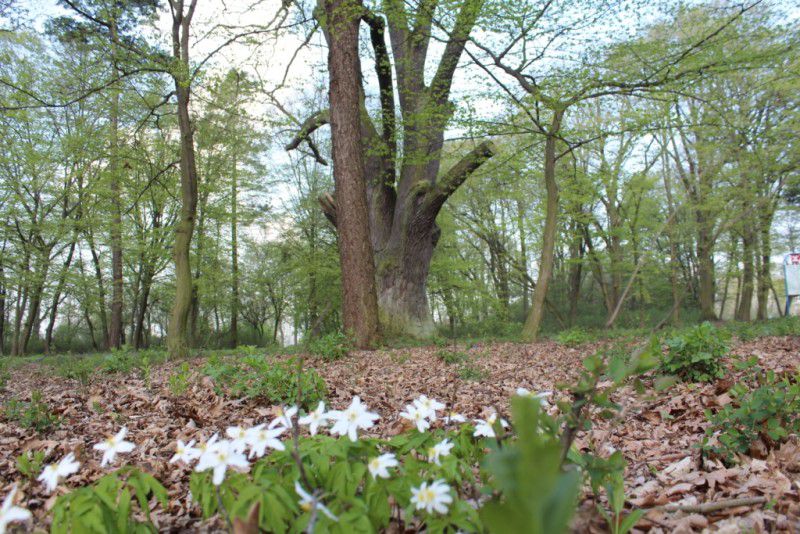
column 791, row 273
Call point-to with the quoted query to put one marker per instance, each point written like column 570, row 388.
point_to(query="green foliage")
column 782, row 326
column 614, row 485
column 5, row 374
column 337, row 468
column 450, row 357
column 470, row 371
column 30, row 464
column 696, row 355
column 537, row 496
column 74, row 368
column 35, row 414
column 178, row 382
column 331, row 346
column 269, row 379
column 764, row 407
column 574, row 336
column 119, row 362
column 113, row 504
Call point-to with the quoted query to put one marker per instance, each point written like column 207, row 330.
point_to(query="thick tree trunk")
column 403, row 205
column 531, row 329
column 359, row 300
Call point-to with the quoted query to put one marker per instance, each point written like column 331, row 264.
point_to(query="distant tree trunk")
column 674, row 260
column 34, row 306
column 531, row 329
column 765, row 266
column 234, row 257
column 523, row 254
column 62, row 278
column 3, row 296
column 98, row 274
column 115, row 332
column 743, row 312
column 576, row 252
column 177, row 337
column 359, row 298
column 705, row 271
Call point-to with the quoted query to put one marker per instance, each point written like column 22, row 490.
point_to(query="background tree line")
column 519, row 168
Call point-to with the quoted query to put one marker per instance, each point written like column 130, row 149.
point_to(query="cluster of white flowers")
column 219, row 455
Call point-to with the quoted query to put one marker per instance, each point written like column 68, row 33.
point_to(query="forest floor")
column 658, row 433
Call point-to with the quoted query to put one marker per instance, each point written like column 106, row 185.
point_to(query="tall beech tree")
column 404, row 186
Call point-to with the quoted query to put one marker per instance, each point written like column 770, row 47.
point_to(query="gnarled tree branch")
column 309, row 126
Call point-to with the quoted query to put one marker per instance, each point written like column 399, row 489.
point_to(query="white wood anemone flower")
column 54, row 472
column 428, row 406
column 417, row 416
column 114, row 445
column 432, row 498
column 315, row 419
column 219, row 457
column 308, row 502
column 284, row 417
column 185, row 452
column 259, row 438
column 485, row 427
column 10, row 513
column 379, row 466
column 440, row 450
column 351, row 420
column 238, row 437
column 454, row 417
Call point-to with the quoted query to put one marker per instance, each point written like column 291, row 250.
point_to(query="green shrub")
column 272, row 380
column 696, row 355
column 471, row 372
column 30, row 464
column 178, row 382
column 76, row 368
column 451, row 356
column 330, row 347
column 5, row 374
column 574, row 336
column 111, row 504
column 119, row 362
column 35, row 414
column 765, row 407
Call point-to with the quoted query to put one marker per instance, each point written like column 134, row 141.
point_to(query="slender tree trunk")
column 531, row 329
column 2, row 304
column 765, row 267
column 523, row 254
column 359, row 299
column 98, row 274
column 705, row 271
column 62, row 279
column 177, row 337
column 743, row 312
column 115, row 327
column 234, row 256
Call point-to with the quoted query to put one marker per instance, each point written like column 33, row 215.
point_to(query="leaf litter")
column 657, row 432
